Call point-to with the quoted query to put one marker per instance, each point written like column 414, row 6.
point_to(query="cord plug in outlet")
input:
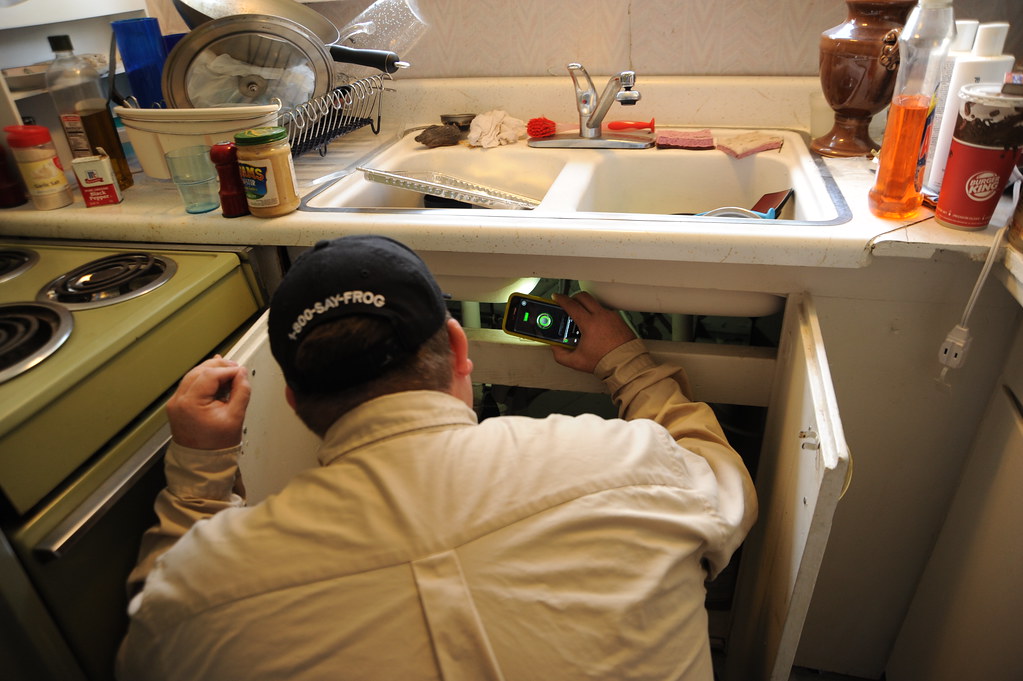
column 953, row 350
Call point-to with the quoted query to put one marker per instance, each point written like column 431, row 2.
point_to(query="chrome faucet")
column 592, row 110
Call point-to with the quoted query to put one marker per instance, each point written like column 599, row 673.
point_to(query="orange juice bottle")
column 923, row 45
column 896, row 194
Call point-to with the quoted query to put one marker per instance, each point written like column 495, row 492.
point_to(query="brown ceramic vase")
column 856, row 84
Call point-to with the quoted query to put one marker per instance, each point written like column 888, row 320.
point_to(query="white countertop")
column 152, row 210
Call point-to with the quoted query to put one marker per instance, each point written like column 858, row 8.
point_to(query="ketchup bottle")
column 232, row 194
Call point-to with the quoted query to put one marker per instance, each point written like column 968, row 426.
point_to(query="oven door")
column 74, row 555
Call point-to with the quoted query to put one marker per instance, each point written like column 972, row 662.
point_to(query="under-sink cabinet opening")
column 768, row 380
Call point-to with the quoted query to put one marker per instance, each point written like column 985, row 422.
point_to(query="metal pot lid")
column 247, row 59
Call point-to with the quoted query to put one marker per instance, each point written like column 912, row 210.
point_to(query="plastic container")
column 39, row 166
column 88, row 124
column 986, row 144
column 923, row 46
column 143, row 52
column 154, row 132
column 961, row 46
column 267, row 171
column 984, row 64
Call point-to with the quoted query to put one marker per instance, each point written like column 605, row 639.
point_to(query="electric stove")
column 89, row 337
column 93, row 338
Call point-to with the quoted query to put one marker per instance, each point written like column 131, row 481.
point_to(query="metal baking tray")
column 448, row 187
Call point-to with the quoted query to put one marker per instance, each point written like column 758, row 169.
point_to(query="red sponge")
column 540, row 127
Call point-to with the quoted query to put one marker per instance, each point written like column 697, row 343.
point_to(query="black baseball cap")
column 354, row 275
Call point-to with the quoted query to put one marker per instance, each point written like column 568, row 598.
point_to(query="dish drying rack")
column 316, row 123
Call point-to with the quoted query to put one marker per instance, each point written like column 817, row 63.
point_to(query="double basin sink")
column 673, row 184
column 635, row 187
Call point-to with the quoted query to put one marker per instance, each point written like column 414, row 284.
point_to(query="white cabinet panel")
column 804, row 466
column 964, row 621
column 276, row 444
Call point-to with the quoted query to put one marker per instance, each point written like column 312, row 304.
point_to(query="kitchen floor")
column 798, row 673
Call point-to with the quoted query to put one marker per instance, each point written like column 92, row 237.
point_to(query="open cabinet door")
column 803, row 471
column 276, row 445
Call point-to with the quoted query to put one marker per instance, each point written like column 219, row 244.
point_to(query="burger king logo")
column 983, row 185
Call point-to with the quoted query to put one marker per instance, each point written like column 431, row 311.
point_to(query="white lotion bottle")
column 962, row 45
column 984, row 64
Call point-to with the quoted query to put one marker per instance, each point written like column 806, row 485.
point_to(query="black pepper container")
column 232, row 193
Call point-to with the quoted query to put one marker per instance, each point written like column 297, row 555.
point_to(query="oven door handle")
column 59, row 540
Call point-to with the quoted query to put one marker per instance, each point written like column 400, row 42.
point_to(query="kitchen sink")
column 668, row 184
column 672, row 184
column 515, row 169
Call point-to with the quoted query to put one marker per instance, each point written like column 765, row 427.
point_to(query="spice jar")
column 267, row 171
column 39, row 166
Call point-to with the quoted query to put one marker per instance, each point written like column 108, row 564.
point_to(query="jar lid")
column 27, row 135
column 252, row 136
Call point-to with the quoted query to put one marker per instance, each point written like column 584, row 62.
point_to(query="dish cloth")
column 494, row 128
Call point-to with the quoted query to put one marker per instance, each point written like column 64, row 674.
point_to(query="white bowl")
column 154, row 132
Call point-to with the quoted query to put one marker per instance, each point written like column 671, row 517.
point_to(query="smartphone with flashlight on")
column 539, row 319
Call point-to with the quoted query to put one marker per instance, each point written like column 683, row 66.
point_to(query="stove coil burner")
column 109, row 280
column 14, row 261
column 29, row 333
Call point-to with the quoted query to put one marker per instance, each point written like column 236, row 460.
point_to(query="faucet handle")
column 585, row 97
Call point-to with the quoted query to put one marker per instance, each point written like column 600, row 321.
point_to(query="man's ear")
column 461, row 364
column 289, row 395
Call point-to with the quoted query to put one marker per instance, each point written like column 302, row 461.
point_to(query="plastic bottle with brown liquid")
column 84, row 114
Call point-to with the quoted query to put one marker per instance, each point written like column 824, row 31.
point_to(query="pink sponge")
column 685, row 139
column 747, row 144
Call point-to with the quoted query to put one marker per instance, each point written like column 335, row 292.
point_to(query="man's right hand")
column 208, row 408
column 601, row 331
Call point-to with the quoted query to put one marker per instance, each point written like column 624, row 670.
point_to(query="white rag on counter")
column 494, row 128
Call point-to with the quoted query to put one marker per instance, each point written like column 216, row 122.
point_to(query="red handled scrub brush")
column 631, row 125
column 541, row 127
column 545, row 127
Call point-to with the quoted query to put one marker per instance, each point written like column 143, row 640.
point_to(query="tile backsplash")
column 469, row 38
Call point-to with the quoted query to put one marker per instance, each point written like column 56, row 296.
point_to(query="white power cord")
column 952, row 353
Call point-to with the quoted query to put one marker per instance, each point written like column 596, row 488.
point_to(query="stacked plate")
column 154, row 132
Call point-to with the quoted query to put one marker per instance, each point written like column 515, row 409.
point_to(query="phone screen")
column 539, row 319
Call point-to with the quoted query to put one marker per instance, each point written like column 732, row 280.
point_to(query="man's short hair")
column 428, row 368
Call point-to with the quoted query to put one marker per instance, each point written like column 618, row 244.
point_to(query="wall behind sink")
column 653, row 37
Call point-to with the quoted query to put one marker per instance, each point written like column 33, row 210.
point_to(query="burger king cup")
column 986, row 144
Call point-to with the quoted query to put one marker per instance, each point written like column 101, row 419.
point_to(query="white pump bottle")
column 985, row 64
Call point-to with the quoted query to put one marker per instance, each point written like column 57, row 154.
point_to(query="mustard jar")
column 267, row 171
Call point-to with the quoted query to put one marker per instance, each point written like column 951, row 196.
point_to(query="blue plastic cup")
column 143, row 53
